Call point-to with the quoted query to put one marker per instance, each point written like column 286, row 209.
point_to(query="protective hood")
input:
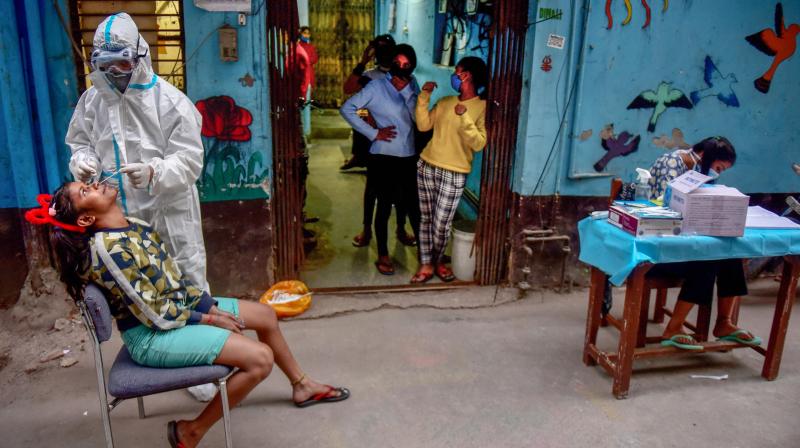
column 120, row 31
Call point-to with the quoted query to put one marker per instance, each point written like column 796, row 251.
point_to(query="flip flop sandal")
column 172, row 435
column 385, row 268
column 734, row 337
column 325, row 397
column 673, row 342
column 421, row 277
column 445, row 274
column 361, row 241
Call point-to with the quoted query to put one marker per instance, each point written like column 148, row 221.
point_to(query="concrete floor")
column 336, row 198
column 470, row 367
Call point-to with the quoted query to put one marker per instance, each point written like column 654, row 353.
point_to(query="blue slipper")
column 673, row 342
column 734, row 337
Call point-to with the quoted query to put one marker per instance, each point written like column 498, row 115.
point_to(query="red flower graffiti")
column 224, row 120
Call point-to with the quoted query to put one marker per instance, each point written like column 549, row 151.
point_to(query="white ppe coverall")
column 153, row 123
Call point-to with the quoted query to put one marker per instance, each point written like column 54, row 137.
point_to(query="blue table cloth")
column 617, row 253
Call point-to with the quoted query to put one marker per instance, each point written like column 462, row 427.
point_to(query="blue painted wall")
column 37, row 80
column 246, row 81
column 608, row 68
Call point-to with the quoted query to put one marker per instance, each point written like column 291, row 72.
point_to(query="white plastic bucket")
column 463, row 262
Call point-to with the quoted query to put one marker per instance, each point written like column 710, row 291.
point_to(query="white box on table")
column 714, row 210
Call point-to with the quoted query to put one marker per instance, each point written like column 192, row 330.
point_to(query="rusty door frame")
column 287, row 151
column 506, row 64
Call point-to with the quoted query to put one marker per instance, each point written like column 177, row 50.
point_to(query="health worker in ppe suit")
column 145, row 133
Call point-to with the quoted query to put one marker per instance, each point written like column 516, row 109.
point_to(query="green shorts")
column 191, row 345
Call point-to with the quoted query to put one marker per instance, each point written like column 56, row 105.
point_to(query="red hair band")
column 47, row 215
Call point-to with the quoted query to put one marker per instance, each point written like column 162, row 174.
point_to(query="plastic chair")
column 126, row 379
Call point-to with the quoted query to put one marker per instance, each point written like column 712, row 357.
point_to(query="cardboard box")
column 714, row 210
column 643, row 224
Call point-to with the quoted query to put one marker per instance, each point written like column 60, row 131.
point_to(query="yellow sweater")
column 455, row 137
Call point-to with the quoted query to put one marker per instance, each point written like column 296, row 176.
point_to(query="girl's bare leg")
column 724, row 324
column 262, row 319
column 254, row 360
column 675, row 324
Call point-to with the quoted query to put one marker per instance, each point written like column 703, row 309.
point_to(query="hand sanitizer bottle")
column 642, row 191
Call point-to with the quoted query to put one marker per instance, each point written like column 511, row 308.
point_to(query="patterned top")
column 667, row 167
column 141, row 280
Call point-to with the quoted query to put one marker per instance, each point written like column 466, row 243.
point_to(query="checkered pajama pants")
column 439, row 193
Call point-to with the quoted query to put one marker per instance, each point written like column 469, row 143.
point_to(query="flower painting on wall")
column 233, row 169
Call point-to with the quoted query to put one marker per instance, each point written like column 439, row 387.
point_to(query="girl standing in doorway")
column 458, row 132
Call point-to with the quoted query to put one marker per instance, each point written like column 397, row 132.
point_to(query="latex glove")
column 83, row 170
column 140, row 174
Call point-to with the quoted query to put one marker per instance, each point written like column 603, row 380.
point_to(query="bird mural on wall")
column 719, row 85
column 659, row 100
column 616, row 146
column 779, row 43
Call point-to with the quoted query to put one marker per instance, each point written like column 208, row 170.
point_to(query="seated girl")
column 164, row 319
column 711, row 157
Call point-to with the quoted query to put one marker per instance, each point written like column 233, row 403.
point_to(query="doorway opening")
column 332, row 204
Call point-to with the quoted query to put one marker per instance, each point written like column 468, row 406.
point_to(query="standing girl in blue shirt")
column 391, row 101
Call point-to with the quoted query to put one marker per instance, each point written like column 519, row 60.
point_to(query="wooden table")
column 619, row 364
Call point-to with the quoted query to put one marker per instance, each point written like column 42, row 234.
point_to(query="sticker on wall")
column 616, row 146
column 230, row 171
column 660, row 100
column 550, row 14
column 779, row 43
column 718, row 85
column 556, row 41
column 585, row 135
column 547, row 63
column 676, row 142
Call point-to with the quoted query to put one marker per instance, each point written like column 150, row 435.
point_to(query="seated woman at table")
column 164, row 319
column 711, row 157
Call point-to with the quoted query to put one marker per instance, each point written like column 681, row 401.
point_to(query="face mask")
column 455, row 82
column 305, row 40
column 402, row 73
column 713, row 173
column 120, row 82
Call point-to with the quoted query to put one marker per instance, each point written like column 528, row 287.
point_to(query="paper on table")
column 689, row 181
column 761, row 218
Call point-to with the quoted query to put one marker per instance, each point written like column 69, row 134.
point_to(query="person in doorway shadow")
column 391, row 101
column 381, row 49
